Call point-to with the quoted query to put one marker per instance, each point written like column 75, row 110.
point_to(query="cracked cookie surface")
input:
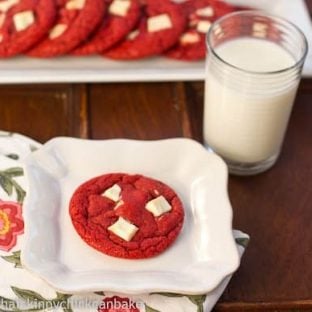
column 93, row 213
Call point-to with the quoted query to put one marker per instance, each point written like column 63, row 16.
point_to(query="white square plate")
column 197, row 262
column 98, row 69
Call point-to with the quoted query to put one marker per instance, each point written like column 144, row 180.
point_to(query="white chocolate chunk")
column 203, row 26
column 23, row 20
column 6, row 5
column 158, row 206
column 75, row 4
column 189, row 38
column 133, row 34
column 119, row 7
column 257, row 26
column 218, row 30
column 57, row 31
column 113, row 193
column 260, row 29
column 205, row 12
column 259, row 34
column 123, row 229
column 159, row 22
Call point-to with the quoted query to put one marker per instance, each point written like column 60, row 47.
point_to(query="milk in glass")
column 245, row 120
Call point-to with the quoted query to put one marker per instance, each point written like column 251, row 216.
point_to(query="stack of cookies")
column 117, row 29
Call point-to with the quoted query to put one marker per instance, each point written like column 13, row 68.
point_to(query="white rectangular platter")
column 98, row 69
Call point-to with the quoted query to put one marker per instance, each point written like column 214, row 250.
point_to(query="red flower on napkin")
column 11, row 224
column 118, row 304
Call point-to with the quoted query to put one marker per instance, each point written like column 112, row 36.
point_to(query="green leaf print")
column 27, row 295
column 14, row 172
column 171, row 295
column 20, row 194
column 33, row 148
column 62, row 297
column 15, row 258
column 8, row 183
column 198, row 300
column 242, row 241
column 149, row 309
column 13, row 156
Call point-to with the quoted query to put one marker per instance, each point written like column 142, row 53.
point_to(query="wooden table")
column 275, row 208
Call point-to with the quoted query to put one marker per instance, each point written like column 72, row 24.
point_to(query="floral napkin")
column 21, row 291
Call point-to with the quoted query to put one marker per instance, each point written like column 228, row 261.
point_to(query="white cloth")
column 19, row 288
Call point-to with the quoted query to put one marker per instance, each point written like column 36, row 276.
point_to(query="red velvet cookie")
column 127, row 216
column 122, row 16
column 159, row 29
column 201, row 13
column 77, row 19
column 23, row 23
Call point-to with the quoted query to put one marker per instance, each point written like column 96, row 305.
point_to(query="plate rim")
column 42, row 272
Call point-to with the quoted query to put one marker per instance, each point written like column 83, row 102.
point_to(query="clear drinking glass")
column 253, row 68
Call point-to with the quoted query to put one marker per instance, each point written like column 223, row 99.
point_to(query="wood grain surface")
column 275, row 207
column 137, row 110
column 44, row 111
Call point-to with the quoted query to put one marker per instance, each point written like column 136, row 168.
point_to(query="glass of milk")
column 253, row 69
